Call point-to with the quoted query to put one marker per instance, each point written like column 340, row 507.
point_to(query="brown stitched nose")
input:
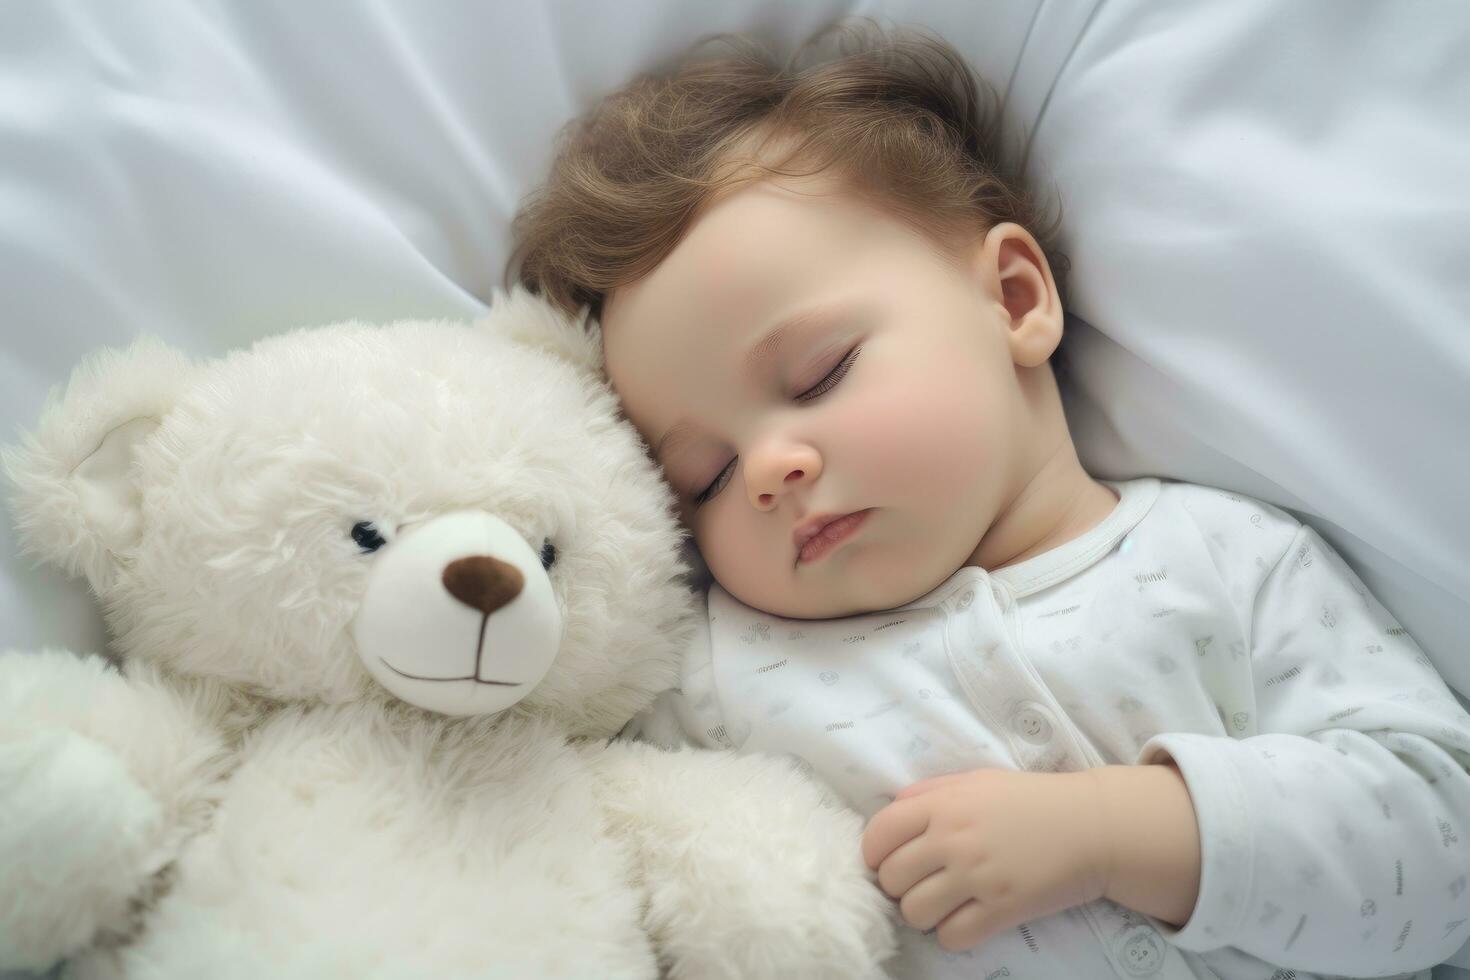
column 482, row 582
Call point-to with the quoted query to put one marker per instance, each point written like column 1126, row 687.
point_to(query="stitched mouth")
column 416, row 677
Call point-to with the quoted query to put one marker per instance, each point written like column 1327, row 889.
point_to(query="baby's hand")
column 980, row 852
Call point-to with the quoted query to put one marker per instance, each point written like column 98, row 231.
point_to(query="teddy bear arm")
column 103, row 776
column 750, row 868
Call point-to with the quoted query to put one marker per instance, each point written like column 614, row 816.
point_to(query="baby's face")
column 800, row 356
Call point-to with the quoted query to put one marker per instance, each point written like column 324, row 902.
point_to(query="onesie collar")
column 1135, row 497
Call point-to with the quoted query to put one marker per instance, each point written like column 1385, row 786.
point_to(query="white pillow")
column 1265, row 205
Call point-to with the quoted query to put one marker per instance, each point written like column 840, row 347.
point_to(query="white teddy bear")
column 382, row 597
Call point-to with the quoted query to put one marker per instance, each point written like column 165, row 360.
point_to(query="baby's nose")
column 766, row 498
column 774, row 467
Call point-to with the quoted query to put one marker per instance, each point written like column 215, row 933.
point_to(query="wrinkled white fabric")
column 1325, row 756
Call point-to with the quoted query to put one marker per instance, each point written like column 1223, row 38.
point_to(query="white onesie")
column 1326, row 758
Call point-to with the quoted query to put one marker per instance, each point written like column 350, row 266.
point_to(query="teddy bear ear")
column 76, row 500
column 527, row 318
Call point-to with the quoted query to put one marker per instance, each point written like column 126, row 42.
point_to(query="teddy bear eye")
column 367, row 536
column 548, row 553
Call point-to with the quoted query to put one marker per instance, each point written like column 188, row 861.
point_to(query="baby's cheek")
column 928, row 435
column 734, row 551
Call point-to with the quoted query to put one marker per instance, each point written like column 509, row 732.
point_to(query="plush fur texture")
column 240, row 799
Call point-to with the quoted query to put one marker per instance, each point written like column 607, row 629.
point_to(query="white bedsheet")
column 1267, row 208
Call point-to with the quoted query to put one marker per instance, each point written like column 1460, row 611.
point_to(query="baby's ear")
column 528, row 319
column 76, row 499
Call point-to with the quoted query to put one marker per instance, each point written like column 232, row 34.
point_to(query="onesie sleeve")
column 1335, row 833
column 689, row 714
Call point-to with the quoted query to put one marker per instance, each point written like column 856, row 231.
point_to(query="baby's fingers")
column 891, row 826
column 910, row 864
column 966, row 927
column 978, row 920
column 932, row 900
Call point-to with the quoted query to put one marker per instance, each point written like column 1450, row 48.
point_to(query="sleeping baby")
column 1131, row 728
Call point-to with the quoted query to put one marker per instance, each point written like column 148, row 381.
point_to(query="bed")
column 1265, row 207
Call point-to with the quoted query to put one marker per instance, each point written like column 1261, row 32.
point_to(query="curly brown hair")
column 897, row 114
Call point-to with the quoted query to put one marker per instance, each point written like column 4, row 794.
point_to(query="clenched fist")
column 979, row 852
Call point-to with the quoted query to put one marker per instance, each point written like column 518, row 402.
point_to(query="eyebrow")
column 769, row 346
column 760, row 353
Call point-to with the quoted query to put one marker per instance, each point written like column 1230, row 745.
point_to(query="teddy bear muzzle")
column 459, row 616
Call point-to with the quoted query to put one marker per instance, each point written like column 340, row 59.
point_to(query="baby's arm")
column 102, row 778
column 1336, row 838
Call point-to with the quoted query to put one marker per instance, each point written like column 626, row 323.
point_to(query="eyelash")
column 833, row 378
